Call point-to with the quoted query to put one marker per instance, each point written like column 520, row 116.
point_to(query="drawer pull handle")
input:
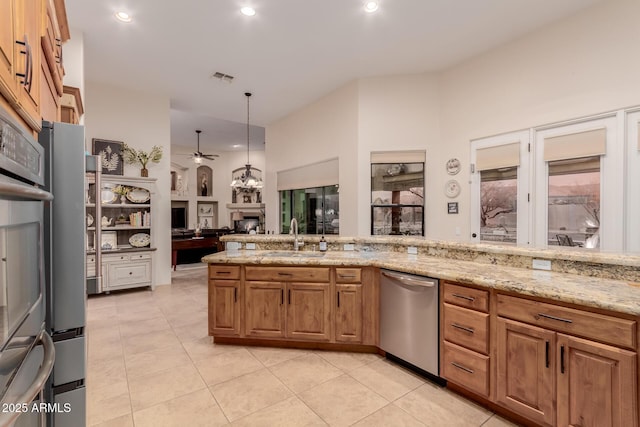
column 472, row 299
column 284, row 274
column 559, row 319
column 347, row 276
column 223, row 272
column 464, row 328
column 462, row 367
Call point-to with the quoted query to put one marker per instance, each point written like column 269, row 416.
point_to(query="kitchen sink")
column 293, row 254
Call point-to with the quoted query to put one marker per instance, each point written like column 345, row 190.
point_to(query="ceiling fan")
column 198, row 155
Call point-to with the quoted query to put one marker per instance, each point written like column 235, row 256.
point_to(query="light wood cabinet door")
column 224, row 307
column 7, row 49
column 525, row 367
column 349, row 313
column 264, row 309
column 309, row 311
column 28, row 29
column 596, row 384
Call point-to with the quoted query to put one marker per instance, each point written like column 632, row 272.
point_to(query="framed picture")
column 205, row 209
column 452, row 207
column 205, row 221
column 110, row 153
column 109, row 240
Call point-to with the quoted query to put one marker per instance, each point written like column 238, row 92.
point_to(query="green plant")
column 132, row 156
column 121, row 190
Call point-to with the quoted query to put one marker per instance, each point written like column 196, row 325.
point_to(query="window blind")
column 498, row 156
column 313, row 175
column 575, row 145
column 410, row 156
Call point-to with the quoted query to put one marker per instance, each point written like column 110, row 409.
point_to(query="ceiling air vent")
column 222, row 77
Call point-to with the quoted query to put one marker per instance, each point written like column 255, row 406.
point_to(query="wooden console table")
column 192, row 243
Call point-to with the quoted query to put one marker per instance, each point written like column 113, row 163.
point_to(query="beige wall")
column 141, row 120
column 222, row 168
column 319, row 131
column 579, row 66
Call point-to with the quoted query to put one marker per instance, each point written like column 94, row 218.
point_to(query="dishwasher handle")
column 410, row 281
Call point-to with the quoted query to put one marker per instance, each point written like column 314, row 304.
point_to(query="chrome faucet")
column 293, row 229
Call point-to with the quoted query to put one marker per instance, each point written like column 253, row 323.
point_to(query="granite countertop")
column 608, row 294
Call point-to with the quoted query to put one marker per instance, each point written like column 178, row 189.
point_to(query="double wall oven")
column 26, row 350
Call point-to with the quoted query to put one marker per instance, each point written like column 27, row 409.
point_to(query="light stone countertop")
column 608, row 294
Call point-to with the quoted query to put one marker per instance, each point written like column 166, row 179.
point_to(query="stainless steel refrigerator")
column 65, row 269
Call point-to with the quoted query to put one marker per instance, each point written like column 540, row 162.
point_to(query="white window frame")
column 611, row 179
column 523, row 172
column 632, row 191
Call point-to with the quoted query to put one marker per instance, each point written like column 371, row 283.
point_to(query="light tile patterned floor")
column 151, row 363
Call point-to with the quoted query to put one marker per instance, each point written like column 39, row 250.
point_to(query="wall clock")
column 452, row 188
column 453, row 166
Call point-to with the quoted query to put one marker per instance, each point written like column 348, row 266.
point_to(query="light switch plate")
column 250, row 246
column 412, row 250
column 541, row 264
column 349, row 247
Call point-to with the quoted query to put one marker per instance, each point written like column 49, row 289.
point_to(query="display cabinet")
column 120, row 231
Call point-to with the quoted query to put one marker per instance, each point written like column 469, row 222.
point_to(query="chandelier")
column 246, row 180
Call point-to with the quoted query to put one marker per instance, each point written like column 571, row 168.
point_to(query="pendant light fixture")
column 246, row 181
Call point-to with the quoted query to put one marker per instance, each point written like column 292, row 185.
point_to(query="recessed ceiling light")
column 370, row 6
column 248, row 11
column 123, row 16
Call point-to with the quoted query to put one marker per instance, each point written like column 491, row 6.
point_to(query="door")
column 349, row 313
column 224, row 307
column 596, row 384
column 27, row 60
column 264, row 309
column 525, row 370
column 7, row 50
column 309, row 311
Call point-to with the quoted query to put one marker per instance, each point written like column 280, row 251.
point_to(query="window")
column 574, row 202
column 499, row 189
column 498, row 205
column 315, row 209
column 397, row 198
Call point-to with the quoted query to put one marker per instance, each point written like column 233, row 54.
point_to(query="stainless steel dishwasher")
column 409, row 319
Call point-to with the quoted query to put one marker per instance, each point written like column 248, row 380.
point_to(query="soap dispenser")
column 323, row 244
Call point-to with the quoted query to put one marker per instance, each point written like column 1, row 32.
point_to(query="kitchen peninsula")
column 554, row 347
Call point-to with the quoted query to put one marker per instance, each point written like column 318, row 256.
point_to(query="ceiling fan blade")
column 210, row 156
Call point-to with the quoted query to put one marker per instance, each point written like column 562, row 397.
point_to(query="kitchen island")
column 549, row 347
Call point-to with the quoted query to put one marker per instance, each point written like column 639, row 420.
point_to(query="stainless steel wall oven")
column 26, row 349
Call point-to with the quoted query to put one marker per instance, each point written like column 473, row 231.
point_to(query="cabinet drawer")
column 126, row 274
column 466, row 368
column 608, row 329
column 348, row 275
column 298, row 274
column 476, row 299
column 137, row 257
column 467, row 328
column 224, row 272
column 115, row 258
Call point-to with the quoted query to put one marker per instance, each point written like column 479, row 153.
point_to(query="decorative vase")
column 123, row 199
column 144, row 172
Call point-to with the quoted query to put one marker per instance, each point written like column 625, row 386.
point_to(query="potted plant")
column 121, row 190
column 133, row 156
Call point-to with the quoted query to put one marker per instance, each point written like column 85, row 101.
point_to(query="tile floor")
column 151, row 363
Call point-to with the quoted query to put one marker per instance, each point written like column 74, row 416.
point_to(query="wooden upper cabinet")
column 596, row 384
column 52, row 46
column 27, row 33
column 7, row 50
